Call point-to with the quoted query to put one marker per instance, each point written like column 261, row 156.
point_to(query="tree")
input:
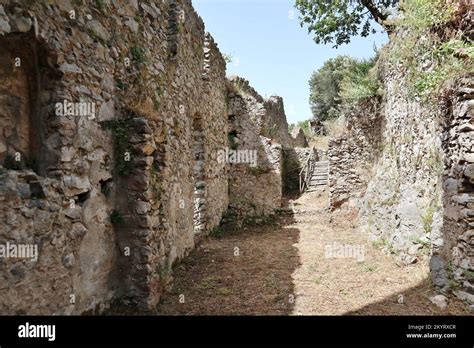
column 325, row 86
column 336, row 21
column 338, row 80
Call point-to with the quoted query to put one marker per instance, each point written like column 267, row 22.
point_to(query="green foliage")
column 337, row 21
column 305, row 127
column 121, row 133
column 469, row 275
column 325, row 86
column 419, row 15
column 122, row 85
column 100, row 4
column 429, row 60
column 233, row 144
column 96, row 37
column 367, row 267
column 138, row 54
column 427, row 218
column 155, row 181
column 384, row 243
column 341, row 79
column 217, row 232
column 361, row 81
column 228, row 57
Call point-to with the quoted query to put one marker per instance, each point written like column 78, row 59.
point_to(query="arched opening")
column 22, row 79
column 199, row 175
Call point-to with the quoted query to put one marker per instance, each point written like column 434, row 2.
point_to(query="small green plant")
column 368, row 268
column 378, row 243
column 116, row 218
column 452, row 284
column 122, row 149
column 361, row 82
column 217, row 232
column 154, row 180
column 425, row 244
column 469, row 275
column 421, row 51
column 427, row 218
column 391, row 201
column 96, row 37
column 100, row 4
column 122, row 85
column 228, row 58
column 232, row 138
column 383, row 243
column 138, row 54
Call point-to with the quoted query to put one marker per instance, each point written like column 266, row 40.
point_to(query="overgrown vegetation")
column 429, row 58
column 304, row 126
column 138, row 54
column 340, row 81
column 427, row 218
column 122, row 149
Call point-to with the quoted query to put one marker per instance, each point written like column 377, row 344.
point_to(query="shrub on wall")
column 422, row 50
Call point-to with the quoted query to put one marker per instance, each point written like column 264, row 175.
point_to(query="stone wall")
column 407, row 169
column 114, row 117
column 294, row 159
column 148, row 70
column 298, row 138
column 352, row 154
column 255, row 186
column 454, row 248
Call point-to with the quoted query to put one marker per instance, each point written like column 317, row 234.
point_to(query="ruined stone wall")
column 114, row 206
column 298, row 138
column 402, row 203
column 414, row 192
column 351, row 154
column 454, row 248
column 64, row 212
column 294, row 159
column 269, row 114
column 114, row 118
column 274, row 125
column 255, row 187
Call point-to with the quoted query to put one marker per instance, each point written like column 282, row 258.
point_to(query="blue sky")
column 271, row 50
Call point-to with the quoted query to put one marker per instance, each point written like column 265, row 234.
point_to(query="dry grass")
column 338, row 286
column 215, row 281
column 319, row 142
column 286, row 260
column 336, row 126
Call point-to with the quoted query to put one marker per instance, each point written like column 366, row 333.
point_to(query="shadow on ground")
column 245, row 271
column 413, row 301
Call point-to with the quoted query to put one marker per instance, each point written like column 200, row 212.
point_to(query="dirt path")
column 284, row 266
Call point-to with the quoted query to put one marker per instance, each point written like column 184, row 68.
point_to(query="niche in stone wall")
column 199, row 175
column 22, row 74
column 173, row 28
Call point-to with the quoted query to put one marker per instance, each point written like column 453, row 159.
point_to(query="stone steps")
column 320, row 177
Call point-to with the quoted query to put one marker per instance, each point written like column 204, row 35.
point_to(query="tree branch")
column 374, row 11
column 376, row 14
